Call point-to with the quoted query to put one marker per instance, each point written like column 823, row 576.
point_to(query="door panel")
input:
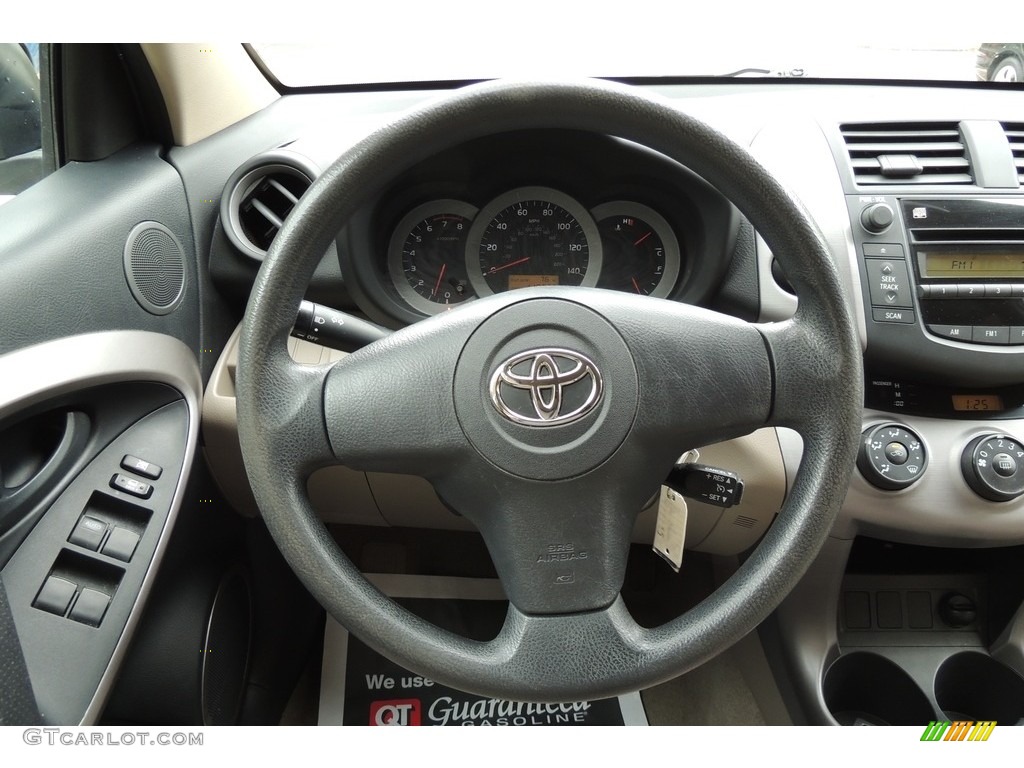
column 62, row 246
column 89, row 374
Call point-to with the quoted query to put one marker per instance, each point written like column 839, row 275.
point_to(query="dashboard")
column 917, row 192
column 922, row 217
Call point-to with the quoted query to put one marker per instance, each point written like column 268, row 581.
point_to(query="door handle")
column 20, row 500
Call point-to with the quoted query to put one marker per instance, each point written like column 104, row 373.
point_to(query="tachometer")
column 426, row 256
column 529, row 237
column 641, row 253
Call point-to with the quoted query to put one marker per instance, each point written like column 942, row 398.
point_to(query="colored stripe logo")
column 958, row 730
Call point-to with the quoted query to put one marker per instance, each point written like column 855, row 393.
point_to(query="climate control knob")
column 993, row 465
column 891, row 457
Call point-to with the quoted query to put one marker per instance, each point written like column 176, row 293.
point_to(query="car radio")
column 944, row 284
column 968, row 257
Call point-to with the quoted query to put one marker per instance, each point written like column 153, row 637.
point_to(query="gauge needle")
column 635, row 285
column 444, row 268
column 492, row 270
column 642, row 239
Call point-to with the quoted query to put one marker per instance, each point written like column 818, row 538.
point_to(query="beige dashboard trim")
column 207, row 86
column 338, row 494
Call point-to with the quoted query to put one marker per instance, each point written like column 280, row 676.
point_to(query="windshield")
column 415, row 53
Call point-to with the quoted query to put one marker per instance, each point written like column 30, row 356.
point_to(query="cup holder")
column 866, row 689
column 973, row 686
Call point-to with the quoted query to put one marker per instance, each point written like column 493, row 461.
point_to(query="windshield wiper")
column 761, row 72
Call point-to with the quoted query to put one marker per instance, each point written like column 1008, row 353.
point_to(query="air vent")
column 1015, row 135
column 906, row 153
column 263, row 210
column 260, row 195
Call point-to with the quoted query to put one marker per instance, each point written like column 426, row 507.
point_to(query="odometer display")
column 529, row 237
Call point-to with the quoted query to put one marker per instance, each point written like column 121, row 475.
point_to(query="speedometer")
column 532, row 236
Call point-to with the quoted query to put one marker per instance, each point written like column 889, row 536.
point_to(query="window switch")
column 141, row 467
column 90, row 608
column 55, row 596
column 131, row 485
column 88, row 533
column 121, row 544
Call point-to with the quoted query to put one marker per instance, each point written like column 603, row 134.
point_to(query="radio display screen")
column 966, row 265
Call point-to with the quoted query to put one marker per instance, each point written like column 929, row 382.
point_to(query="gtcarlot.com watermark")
column 63, row 737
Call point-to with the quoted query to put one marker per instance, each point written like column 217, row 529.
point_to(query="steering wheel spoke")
column 389, row 406
column 811, row 377
column 558, row 547
column 609, row 638
column 704, row 377
column 291, row 414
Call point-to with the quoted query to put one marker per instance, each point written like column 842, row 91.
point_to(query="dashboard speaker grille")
column 154, row 266
column 227, row 651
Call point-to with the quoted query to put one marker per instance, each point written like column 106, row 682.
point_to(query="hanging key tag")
column 670, row 529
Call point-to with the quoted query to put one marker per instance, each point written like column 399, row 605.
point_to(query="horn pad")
column 546, row 389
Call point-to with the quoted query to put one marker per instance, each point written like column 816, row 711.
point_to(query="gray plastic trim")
column 940, row 509
column 807, row 620
column 777, row 304
column 990, row 154
column 45, row 371
column 797, row 152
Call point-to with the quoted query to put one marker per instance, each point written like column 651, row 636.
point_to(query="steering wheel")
column 617, row 386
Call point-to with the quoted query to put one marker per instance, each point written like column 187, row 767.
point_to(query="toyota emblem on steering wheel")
column 546, row 387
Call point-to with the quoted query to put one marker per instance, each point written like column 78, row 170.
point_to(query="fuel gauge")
column 641, row 253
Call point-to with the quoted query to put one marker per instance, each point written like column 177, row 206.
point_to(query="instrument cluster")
column 446, row 251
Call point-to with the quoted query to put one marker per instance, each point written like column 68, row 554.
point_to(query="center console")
column 913, row 611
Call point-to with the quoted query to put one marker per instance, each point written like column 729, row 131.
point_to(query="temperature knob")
column 891, row 457
column 993, row 465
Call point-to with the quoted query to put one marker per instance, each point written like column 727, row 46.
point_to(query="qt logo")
column 395, row 712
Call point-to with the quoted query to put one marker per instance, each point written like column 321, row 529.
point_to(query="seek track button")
column 889, row 283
